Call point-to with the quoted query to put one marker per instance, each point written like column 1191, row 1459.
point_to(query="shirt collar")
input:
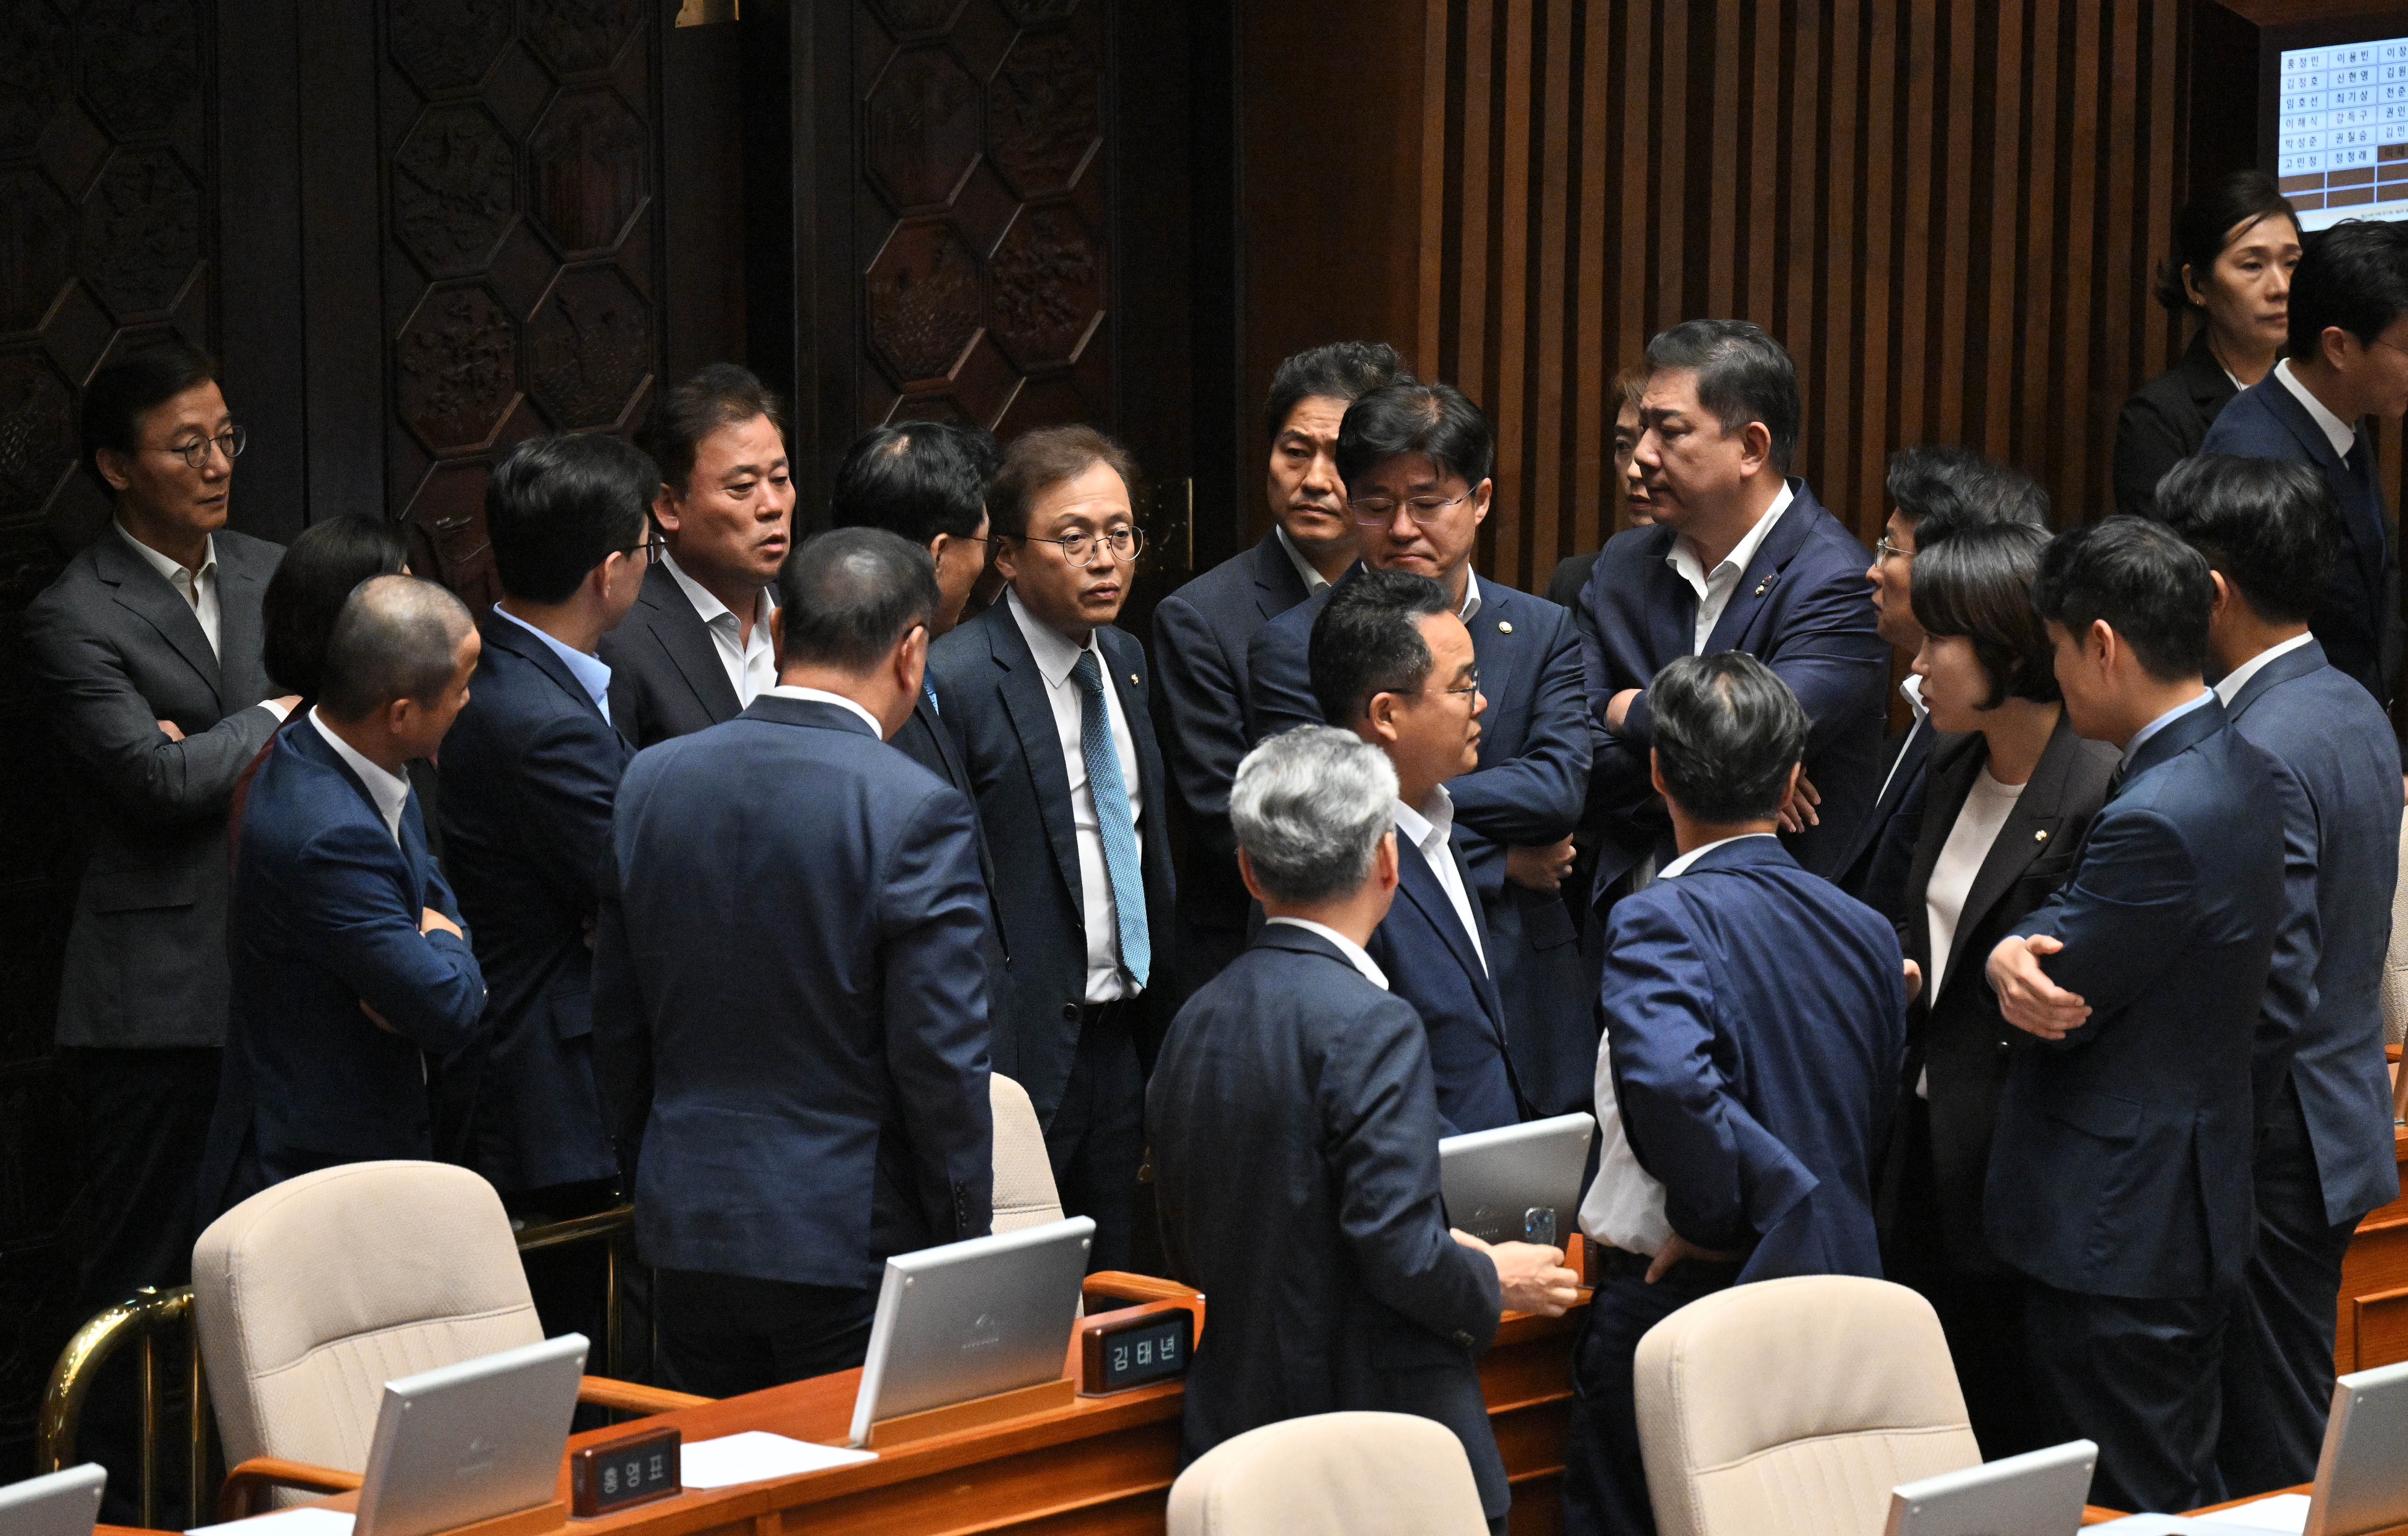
column 1353, row 952
column 817, row 695
column 170, row 570
column 2141, row 736
column 1680, row 866
column 2343, row 436
column 388, row 791
column 592, row 673
column 1683, row 555
column 1435, row 817
column 2233, row 682
column 1909, row 687
column 1314, row 581
column 1055, row 655
column 1470, row 596
column 706, row 606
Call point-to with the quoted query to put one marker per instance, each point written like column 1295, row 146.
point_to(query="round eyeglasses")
column 195, row 455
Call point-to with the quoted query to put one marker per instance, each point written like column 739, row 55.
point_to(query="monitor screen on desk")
column 469, row 1441
column 62, row 1504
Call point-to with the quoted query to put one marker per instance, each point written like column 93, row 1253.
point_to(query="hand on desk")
column 2027, row 997
column 1539, row 869
column 1531, row 1274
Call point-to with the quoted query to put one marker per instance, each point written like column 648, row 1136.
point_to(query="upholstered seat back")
column 1792, row 1407
column 1024, row 1193
column 310, row 1296
column 1331, row 1475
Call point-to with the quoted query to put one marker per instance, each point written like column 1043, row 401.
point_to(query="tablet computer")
column 972, row 1319
column 2039, row 1493
column 2362, row 1472
column 64, row 1503
column 1517, row 1183
column 469, row 1441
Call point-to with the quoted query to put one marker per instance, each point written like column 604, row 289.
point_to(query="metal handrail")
column 150, row 1312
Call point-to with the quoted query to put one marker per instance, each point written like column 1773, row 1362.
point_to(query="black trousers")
column 2140, row 1376
column 2278, row 1351
column 1096, row 1140
column 727, row 1334
column 146, row 1117
column 1605, row 1481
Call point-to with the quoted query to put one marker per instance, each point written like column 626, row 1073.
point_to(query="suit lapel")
column 146, row 593
column 1277, row 586
column 500, row 632
column 1762, row 576
column 1494, row 652
column 1419, row 881
column 686, row 641
column 240, row 624
column 2030, row 830
column 1946, row 788
column 1672, row 623
column 1022, row 687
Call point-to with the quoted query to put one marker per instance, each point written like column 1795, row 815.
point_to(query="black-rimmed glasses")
column 1125, row 545
column 197, row 454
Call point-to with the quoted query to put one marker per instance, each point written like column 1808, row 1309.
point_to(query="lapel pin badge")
column 1132, row 680
column 1760, row 586
column 1504, row 627
column 2041, row 835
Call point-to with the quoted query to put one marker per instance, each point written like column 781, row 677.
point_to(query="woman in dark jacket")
column 1995, row 829
column 2235, row 244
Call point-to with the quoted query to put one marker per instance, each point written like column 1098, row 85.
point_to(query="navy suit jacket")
column 1201, row 633
column 1758, row 1018
column 2336, row 744
column 1430, row 963
column 1526, row 791
column 2121, row 1161
column 1862, row 872
column 325, row 918
column 1291, row 1073
column 993, row 702
column 789, row 996
column 665, row 676
column 1799, row 607
column 530, row 769
column 925, row 740
column 2357, row 619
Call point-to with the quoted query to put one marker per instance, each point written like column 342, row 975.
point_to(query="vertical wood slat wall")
column 1947, row 210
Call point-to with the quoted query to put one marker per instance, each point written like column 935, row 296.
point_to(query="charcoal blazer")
column 1201, row 690
column 993, row 701
column 789, row 999
column 2357, row 619
column 2336, row 744
column 1954, row 1031
column 1758, row 1018
column 113, row 649
column 1861, row 870
column 1526, row 790
column 665, row 676
column 1431, row 964
column 2165, row 421
column 325, row 919
column 1291, row 1073
column 530, row 769
column 924, row 740
column 1800, row 608
column 2121, row 1163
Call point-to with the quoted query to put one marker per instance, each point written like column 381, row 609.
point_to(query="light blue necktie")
column 1112, row 817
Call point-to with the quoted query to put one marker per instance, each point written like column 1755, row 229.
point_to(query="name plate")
column 620, row 1473
column 1134, row 1346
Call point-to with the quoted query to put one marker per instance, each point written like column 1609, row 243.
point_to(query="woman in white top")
column 2003, row 812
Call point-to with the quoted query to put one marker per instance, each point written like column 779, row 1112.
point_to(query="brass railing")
column 151, row 1312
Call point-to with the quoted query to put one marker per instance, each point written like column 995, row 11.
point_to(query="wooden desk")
column 2371, row 1326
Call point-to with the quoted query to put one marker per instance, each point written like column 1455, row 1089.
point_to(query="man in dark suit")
column 925, row 481
column 696, row 647
column 146, row 650
column 1046, row 701
column 1754, row 1020
column 1417, row 460
column 788, row 991
column 1393, row 664
column 1295, row 1070
column 349, row 966
column 529, row 773
column 2348, row 361
column 1201, row 631
column 1741, row 557
column 2120, row 1168
column 2324, row 1156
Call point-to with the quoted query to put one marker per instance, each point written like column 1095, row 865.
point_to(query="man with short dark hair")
column 2120, row 1170
column 1201, row 631
column 349, row 966
column 530, row 770
column 789, row 998
column 2325, row 1154
column 1754, row 1027
column 2347, row 362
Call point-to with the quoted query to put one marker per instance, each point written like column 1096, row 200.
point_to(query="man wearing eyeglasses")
column 1046, row 700
column 147, row 648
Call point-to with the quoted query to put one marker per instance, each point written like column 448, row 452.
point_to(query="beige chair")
column 1024, row 1193
column 1331, row 1475
column 1792, row 1407
column 310, row 1296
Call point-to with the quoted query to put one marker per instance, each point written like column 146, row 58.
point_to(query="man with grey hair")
column 1296, row 1070
column 349, row 966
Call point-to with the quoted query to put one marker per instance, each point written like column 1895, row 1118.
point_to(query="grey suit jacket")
column 115, row 649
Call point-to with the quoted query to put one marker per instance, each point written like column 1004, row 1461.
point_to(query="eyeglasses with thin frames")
column 197, row 454
column 1886, row 552
column 1471, row 685
column 1123, row 545
column 1375, row 511
column 652, row 548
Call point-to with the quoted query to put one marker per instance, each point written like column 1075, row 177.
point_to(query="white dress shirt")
column 751, row 660
column 592, row 673
column 1313, row 580
column 2341, row 434
column 1625, row 1208
column 1055, row 656
column 2229, row 686
column 1427, row 829
column 1714, row 588
column 390, row 791
column 1354, row 953
column 821, row 696
column 197, row 587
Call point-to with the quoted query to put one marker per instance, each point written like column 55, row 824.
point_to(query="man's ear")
column 1756, row 446
column 1381, row 714
column 777, row 633
column 1004, row 550
column 2223, row 604
column 2101, row 644
column 912, row 660
column 1384, row 869
column 1482, row 497
column 665, row 509
column 1655, row 773
column 1246, row 874
column 113, row 468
